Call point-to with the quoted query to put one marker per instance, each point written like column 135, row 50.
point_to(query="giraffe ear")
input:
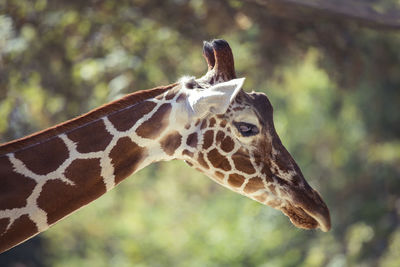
column 215, row 99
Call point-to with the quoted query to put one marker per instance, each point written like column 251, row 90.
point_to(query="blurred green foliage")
column 334, row 85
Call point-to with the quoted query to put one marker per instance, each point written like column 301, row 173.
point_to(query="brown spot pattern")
column 284, row 161
column 253, row 185
column 208, row 139
column 170, row 95
column 296, row 180
column 127, row 101
column 219, row 175
column 171, row 142
column 200, row 159
column 88, row 185
column 126, row 156
column 261, row 198
column 14, row 188
column 238, row 108
column 126, row 119
column 21, row 229
column 227, row 144
column 281, row 181
column 223, row 123
column 212, row 122
column 192, row 140
column 268, row 174
column 45, row 157
column 3, row 225
column 188, row 153
column 236, row 180
column 274, row 203
column 271, row 188
column 189, row 163
column 85, row 139
column 203, row 124
column 218, row 161
column 242, row 163
column 181, row 98
column 220, row 136
column 154, row 126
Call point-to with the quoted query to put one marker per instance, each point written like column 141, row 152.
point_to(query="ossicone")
column 219, row 57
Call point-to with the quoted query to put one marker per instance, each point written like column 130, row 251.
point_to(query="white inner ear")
column 215, row 99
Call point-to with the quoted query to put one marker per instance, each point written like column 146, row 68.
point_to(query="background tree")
column 330, row 68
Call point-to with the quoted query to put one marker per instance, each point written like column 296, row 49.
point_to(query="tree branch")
column 354, row 10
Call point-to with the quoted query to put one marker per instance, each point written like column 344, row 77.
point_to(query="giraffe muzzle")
column 307, row 210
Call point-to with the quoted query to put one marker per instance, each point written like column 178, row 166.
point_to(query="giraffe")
column 209, row 122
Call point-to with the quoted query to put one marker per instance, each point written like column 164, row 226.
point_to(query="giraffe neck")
column 49, row 175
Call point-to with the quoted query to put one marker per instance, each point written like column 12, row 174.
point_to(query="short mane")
column 97, row 113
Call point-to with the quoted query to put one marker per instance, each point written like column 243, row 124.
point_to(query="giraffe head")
column 232, row 139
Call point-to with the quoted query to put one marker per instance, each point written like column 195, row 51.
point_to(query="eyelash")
column 246, row 129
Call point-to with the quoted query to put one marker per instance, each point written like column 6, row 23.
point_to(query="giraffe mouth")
column 306, row 219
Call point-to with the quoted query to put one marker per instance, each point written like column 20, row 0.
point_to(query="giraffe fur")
column 209, row 122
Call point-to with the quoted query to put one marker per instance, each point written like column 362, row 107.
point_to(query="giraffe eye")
column 246, row 129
